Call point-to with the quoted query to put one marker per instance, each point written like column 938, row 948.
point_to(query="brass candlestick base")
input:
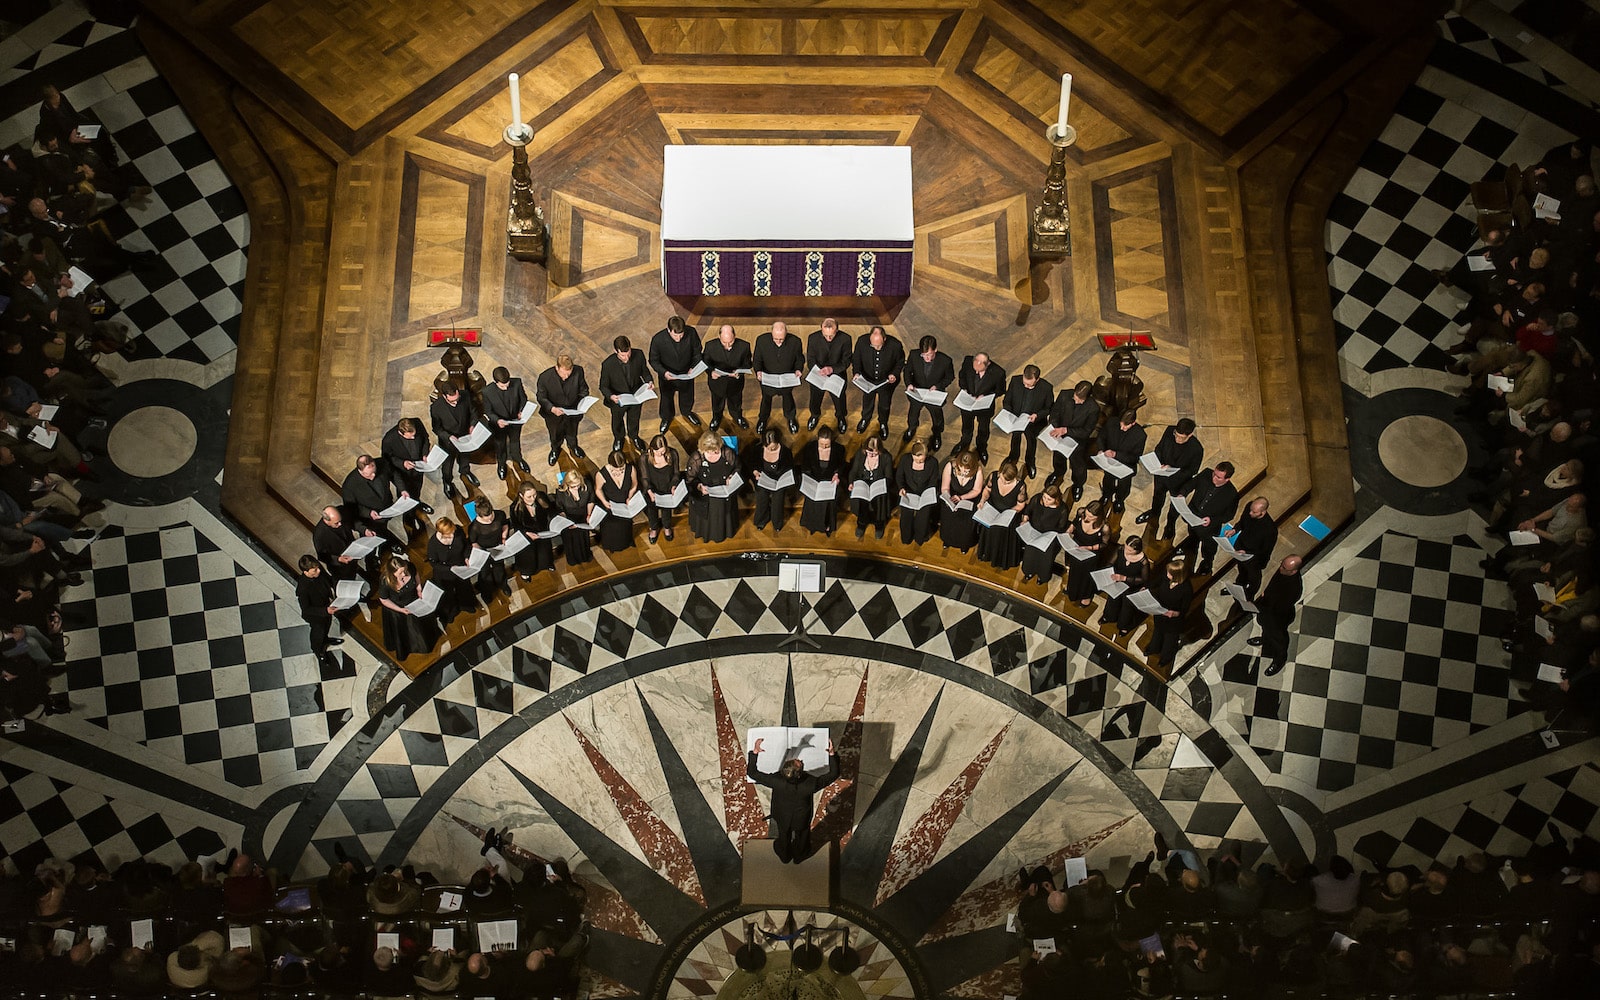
column 526, row 236
column 1050, row 233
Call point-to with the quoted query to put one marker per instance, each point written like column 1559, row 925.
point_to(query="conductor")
column 792, row 789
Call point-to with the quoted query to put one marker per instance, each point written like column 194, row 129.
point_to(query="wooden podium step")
column 769, row 882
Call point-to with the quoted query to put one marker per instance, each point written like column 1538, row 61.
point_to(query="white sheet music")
column 400, row 506
column 1500, row 382
column 477, row 559
column 1113, row 467
column 1007, row 422
column 630, row 508
column 515, row 542
column 782, row 380
column 860, row 382
column 1064, row 445
column 42, row 436
column 347, row 592
column 473, row 440
column 932, row 397
column 826, row 489
column 954, row 504
column 1226, row 548
column 917, row 501
column 1236, row 592
column 1524, row 538
column 1153, row 464
column 525, row 414
column 727, row 489
column 47, row 411
column 584, row 405
column 989, row 517
column 783, row 482
column 698, row 370
column 808, row 744
column 637, row 397
column 1033, row 537
column 736, row 373
column 1181, row 505
column 431, row 461
column 1106, row 585
column 862, row 490
column 1146, row 602
column 675, row 499
column 827, row 383
column 967, row 401
column 362, row 547
column 428, row 601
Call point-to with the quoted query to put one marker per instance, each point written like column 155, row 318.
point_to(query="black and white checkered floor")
column 199, row 719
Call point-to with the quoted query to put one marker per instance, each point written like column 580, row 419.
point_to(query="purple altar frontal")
column 787, row 220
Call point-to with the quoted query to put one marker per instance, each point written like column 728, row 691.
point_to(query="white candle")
column 516, row 103
column 1066, row 98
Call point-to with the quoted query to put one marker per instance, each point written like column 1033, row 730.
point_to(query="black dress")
column 487, row 535
column 1038, row 562
column 1119, row 609
column 1168, row 632
column 458, row 593
column 712, row 519
column 822, row 515
column 872, row 513
column 575, row 538
column 771, row 505
column 956, row 529
column 660, row 480
column 616, row 533
column 404, row 635
column 1080, row 585
column 917, row 525
column 540, row 553
column 998, row 546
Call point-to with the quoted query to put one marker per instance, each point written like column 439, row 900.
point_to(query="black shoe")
column 742, row 423
column 578, row 452
column 1032, row 472
column 450, row 488
column 616, row 444
column 811, row 424
column 1202, row 570
column 1077, row 493
column 861, row 425
column 1165, row 535
column 910, row 433
column 694, row 421
column 1051, row 480
column 470, row 477
column 934, row 442
column 500, row 471
column 555, row 456
column 505, row 588
column 664, row 425
column 425, row 509
column 1117, row 507
column 488, row 841
column 1254, row 640
column 1145, row 517
column 1273, row 669
column 336, row 642
column 794, row 427
column 880, row 530
column 639, row 443
column 861, row 532
column 523, row 465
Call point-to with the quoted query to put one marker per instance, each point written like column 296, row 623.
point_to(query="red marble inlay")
column 1002, row 980
column 988, row 904
column 741, row 809
column 664, row 850
column 914, row 852
column 835, row 818
column 606, row 988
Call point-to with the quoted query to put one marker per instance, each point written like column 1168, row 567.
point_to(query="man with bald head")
column 777, row 353
column 1275, row 612
column 979, row 377
column 1043, row 916
column 1253, row 537
column 332, row 535
column 725, row 357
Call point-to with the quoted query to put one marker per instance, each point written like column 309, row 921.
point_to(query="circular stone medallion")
column 152, row 442
column 1421, row 451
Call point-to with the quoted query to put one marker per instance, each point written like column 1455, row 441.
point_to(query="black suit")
column 314, row 597
column 1025, row 402
column 1219, row 503
column 1275, row 612
column 396, row 451
column 1185, row 457
column 991, row 383
column 1080, row 421
column 617, row 378
column 364, row 497
column 1255, row 537
column 505, row 404
column 553, row 391
column 835, row 354
column 772, row 359
column 726, row 393
column 677, row 357
column 791, row 807
column 876, row 364
column 453, row 421
column 936, row 374
column 1128, row 445
column 329, row 543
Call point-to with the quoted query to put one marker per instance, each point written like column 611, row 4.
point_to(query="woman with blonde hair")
column 959, row 490
column 1175, row 593
column 712, row 519
column 530, row 514
column 917, row 472
column 575, row 502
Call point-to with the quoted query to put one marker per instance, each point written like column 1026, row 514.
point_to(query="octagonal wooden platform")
column 365, row 135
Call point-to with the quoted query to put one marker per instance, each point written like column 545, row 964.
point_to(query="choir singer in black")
column 792, row 789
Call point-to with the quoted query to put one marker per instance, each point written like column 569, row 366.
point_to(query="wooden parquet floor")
column 367, row 136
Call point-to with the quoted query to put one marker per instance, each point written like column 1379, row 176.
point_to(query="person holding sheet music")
column 823, row 460
column 332, row 535
column 314, row 590
column 403, row 448
column 878, row 360
column 1075, row 415
column 674, row 353
column 999, row 544
column 960, row 488
column 1092, row 533
column 404, row 633
column 1213, row 499
column 453, row 415
column 1131, row 568
column 503, row 402
column 1275, row 613
column 778, row 354
column 713, row 466
column 1123, row 442
column 1174, row 591
column 1046, row 513
column 1253, row 537
column 767, row 462
column 367, row 492
column 871, row 467
column 828, row 352
column 447, row 549
column 489, row 530
column 575, row 502
column 615, row 484
column 930, row 369
column 1180, row 451
column 559, row 391
column 725, row 357
column 623, row 373
column 917, row 473
column 530, row 514
column 1028, row 396
column 979, row 377
column 659, row 476
column 792, row 793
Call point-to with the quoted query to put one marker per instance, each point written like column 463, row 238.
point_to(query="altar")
column 787, row 220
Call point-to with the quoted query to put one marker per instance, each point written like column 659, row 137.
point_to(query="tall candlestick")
column 1061, row 118
column 516, row 102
